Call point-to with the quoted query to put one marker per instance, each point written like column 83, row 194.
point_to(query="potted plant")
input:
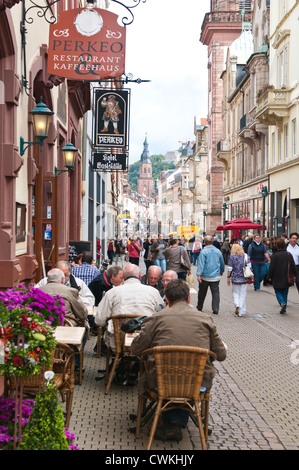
column 263, row 90
column 45, row 429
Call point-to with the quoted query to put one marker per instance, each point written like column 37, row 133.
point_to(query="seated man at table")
column 113, row 277
column 75, row 310
column 70, row 280
column 185, row 326
column 130, row 297
column 153, row 278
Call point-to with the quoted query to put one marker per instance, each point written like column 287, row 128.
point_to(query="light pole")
column 265, row 194
column 204, row 222
column 224, row 207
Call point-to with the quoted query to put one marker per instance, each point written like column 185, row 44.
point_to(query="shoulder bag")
column 247, row 273
column 182, row 261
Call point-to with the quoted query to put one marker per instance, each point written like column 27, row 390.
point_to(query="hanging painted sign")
column 111, row 119
column 87, row 44
column 109, row 161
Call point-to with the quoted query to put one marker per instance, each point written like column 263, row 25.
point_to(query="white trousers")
column 239, row 297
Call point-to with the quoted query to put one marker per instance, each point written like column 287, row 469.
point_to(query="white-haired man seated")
column 130, row 297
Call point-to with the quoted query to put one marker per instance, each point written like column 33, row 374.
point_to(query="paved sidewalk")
column 254, row 402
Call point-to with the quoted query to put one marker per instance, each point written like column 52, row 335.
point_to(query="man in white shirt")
column 130, row 297
column 293, row 248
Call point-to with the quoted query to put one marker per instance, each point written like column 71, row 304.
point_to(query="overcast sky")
column 163, row 46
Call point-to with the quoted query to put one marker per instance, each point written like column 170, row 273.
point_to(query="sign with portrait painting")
column 111, row 119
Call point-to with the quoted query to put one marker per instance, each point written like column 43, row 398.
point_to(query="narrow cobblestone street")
column 254, row 400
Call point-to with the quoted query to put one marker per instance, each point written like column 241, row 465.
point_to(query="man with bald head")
column 131, row 297
column 153, row 278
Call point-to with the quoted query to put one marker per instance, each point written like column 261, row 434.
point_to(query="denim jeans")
column 195, row 257
column 161, row 263
column 259, row 271
column 282, row 295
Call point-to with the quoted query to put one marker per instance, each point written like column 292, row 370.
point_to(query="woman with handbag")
column 178, row 259
column 282, row 273
column 237, row 272
column 258, row 257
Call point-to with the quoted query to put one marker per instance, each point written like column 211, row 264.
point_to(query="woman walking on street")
column 147, row 251
column 258, row 257
column 237, row 260
column 110, row 250
column 173, row 255
column 119, row 251
column 281, row 264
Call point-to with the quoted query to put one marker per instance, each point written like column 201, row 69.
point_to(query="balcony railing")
column 273, row 106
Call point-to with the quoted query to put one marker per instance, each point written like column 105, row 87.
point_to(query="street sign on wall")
column 107, row 161
column 87, row 44
column 111, row 119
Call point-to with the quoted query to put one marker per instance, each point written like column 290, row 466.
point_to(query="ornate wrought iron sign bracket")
column 45, row 11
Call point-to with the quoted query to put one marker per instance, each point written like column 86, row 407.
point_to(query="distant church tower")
column 146, row 183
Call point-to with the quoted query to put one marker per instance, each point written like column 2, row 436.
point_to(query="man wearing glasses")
column 153, row 278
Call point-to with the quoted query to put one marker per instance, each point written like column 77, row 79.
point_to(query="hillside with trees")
column 158, row 164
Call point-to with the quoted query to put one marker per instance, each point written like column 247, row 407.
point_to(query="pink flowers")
column 50, row 309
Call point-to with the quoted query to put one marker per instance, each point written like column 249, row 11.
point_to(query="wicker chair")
column 121, row 351
column 64, row 369
column 179, row 373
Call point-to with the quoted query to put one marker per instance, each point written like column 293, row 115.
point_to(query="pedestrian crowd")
column 162, row 294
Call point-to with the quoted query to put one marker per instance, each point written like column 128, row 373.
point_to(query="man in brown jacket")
column 74, row 307
column 179, row 324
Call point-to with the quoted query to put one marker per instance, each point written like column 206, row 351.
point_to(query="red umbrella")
column 243, row 225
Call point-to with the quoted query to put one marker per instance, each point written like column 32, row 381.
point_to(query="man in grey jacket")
column 210, row 268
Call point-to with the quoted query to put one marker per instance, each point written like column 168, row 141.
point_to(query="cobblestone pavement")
column 254, row 400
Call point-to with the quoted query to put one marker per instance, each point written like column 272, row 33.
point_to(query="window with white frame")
column 283, row 68
column 273, row 149
column 294, row 136
column 286, row 141
column 279, row 146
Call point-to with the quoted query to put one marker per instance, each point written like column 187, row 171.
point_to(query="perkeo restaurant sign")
column 87, row 44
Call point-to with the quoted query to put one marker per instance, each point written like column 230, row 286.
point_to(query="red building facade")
column 39, row 211
column 221, row 26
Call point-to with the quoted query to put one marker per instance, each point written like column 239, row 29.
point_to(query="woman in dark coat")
column 278, row 273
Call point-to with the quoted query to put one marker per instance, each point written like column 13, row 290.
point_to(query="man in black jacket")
column 114, row 276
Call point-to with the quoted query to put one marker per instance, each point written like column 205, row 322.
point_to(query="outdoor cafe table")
column 74, row 337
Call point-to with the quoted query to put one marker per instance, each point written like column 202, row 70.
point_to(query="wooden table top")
column 69, row 335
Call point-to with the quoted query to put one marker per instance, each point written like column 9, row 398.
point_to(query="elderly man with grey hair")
column 70, row 280
column 130, row 297
column 74, row 307
column 153, row 278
